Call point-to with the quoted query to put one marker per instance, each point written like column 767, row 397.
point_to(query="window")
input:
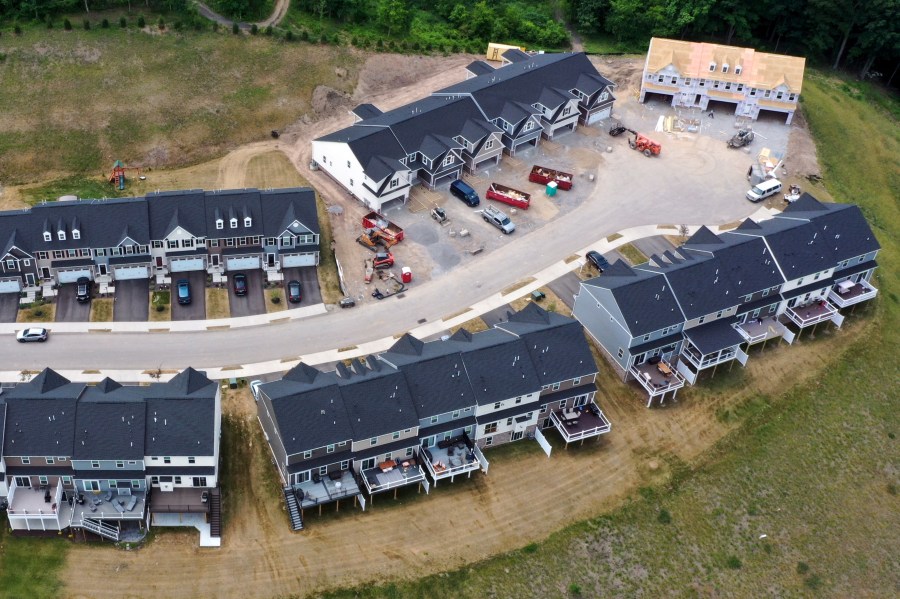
column 167, row 460
column 509, row 421
column 409, row 452
column 135, row 484
column 490, row 428
column 248, row 222
column 448, row 160
column 792, row 97
column 529, row 125
column 343, row 443
column 765, row 292
column 154, row 481
column 543, row 408
column 220, row 224
column 498, row 405
column 728, row 85
column 720, row 313
column 700, row 321
column 687, row 80
column 779, row 95
column 351, row 182
column 753, row 92
column 177, row 480
column 715, row 85
column 396, row 435
column 348, row 164
column 604, row 96
column 76, row 234
column 740, row 87
column 229, row 242
column 49, row 461
column 674, row 81
column 712, row 66
column 345, row 464
column 329, row 448
column 48, row 236
column 112, row 484
column 567, row 111
column 489, row 441
column 233, row 223
column 659, row 79
column 192, row 460
column 95, row 464
column 738, row 69
column 92, row 485
column 702, row 83
column 395, row 182
column 576, row 381
column 172, row 244
column 67, row 480
column 199, row 481
column 489, row 144
column 185, row 243
column 307, row 454
column 120, row 464
column 646, row 337
column 456, row 414
column 373, row 441
column 768, row 93
column 157, row 244
column 61, row 235
column 555, row 387
column 725, row 68
column 747, row 298
column 518, row 400
column 42, row 480
column 621, row 352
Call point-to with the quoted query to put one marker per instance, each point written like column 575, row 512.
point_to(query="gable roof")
column 109, row 431
column 842, row 226
column 378, row 402
column 700, row 286
column 501, row 371
column 312, row 418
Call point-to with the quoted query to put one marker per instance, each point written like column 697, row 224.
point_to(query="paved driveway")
column 67, row 307
column 252, row 303
column 497, row 315
column 567, row 286
column 653, row 245
column 9, row 307
column 132, row 300
column 196, row 310
column 310, row 284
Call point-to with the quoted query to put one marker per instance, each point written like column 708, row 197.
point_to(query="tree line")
column 858, row 34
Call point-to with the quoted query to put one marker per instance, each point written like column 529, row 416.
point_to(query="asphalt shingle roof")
column 714, row 336
column 109, row 431
column 378, row 403
column 842, row 226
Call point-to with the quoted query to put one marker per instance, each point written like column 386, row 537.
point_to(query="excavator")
column 373, row 238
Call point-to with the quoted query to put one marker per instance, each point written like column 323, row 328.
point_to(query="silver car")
column 32, row 334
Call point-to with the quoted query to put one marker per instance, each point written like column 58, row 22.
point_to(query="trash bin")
column 232, row 384
column 551, row 188
column 406, row 274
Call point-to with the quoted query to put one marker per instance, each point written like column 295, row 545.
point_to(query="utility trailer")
column 508, row 195
column 544, row 175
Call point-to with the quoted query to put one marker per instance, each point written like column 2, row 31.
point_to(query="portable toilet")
column 406, row 274
column 551, row 188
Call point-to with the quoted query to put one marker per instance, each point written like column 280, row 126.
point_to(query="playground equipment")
column 117, row 177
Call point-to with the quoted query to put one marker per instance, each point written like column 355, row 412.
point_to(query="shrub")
column 161, row 23
column 575, row 589
column 530, row 548
column 269, row 30
column 813, row 582
column 2, row 56
column 733, row 562
column 49, row 22
column 304, row 35
column 380, row 44
column 123, row 22
column 802, row 567
column 38, row 313
column 289, row 36
column 235, row 28
column 17, row 29
column 198, row 25
column 178, row 25
column 87, row 25
column 67, row 25
column 104, row 24
column 664, row 517
column 215, row 26
column 160, row 308
column 276, row 300
column 141, row 22
column 354, row 41
column 254, row 29
column 323, row 39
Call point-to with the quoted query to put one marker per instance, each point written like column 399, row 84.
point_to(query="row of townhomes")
column 664, row 322
column 111, row 459
column 466, row 126
column 421, row 413
column 158, row 235
column 693, row 74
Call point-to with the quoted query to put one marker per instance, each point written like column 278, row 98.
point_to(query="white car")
column 32, row 334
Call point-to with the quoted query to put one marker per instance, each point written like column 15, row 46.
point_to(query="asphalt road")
column 252, row 303
column 9, row 307
column 477, row 278
column 132, row 301
column 196, row 310
column 67, row 307
column 309, row 284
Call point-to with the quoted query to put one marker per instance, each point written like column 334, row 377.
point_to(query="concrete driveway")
column 309, row 282
column 9, row 307
column 67, row 307
column 196, row 310
column 132, row 301
column 252, row 303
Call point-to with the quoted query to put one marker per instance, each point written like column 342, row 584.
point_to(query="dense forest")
column 861, row 35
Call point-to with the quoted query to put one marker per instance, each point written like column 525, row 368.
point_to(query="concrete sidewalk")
column 431, row 328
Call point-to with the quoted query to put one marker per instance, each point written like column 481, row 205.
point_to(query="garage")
column 242, row 263
column 128, row 273
column 71, row 276
column 10, row 285
column 600, row 116
column 292, row 260
column 185, row 264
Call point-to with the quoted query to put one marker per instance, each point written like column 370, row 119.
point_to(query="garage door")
column 185, row 264
column 599, row 116
column 70, row 276
column 298, row 260
column 10, row 285
column 242, row 263
column 126, row 273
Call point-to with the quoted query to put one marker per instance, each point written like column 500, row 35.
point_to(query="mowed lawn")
column 803, row 498
column 73, row 102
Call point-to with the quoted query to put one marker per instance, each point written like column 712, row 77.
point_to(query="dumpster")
column 551, row 188
column 406, row 274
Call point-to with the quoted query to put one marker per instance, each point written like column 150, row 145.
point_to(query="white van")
column 761, row 191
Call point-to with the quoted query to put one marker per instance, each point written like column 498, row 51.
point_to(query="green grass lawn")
column 802, row 498
column 632, row 254
column 28, row 566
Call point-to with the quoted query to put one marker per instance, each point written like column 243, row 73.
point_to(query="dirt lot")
column 516, row 503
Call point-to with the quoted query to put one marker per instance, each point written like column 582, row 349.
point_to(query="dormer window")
column 448, row 160
column 738, row 69
column 248, row 222
column 725, row 68
column 61, row 235
column 233, row 223
column 220, row 224
column 76, row 234
column 712, row 66
column 48, row 236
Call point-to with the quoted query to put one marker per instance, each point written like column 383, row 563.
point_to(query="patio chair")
column 108, row 496
column 92, row 507
column 131, row 503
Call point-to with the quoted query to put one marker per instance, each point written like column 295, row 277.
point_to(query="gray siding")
column 608, row 333
column 108, row 465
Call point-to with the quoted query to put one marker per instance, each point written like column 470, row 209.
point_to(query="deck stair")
column 293, row 509
column 215, row 513
column 101, row 528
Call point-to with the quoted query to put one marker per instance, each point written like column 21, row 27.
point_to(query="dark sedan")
column 597, row 259
column 240, row 284
column 294, row 292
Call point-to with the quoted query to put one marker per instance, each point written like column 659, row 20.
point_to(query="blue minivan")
column 184, row 292
column 462, row 190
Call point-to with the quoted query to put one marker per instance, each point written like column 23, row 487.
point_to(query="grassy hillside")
column 803, row 498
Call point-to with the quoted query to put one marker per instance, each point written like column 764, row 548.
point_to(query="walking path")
column 492, row 302
column 278, row 13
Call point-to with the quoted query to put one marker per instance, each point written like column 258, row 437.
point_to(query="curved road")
column 281, row 8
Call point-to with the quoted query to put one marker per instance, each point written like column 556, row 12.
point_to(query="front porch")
column 657, row 379
column 813, row 313
column 453, row 458
column 848, row 293
column 393, row 474
column 760, row 330
column 578, row 424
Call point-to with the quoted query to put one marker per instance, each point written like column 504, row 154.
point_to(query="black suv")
column 240, row 284
column 597, row 259
column 83, row 290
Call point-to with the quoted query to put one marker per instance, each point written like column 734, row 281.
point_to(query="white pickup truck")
column 498, row 219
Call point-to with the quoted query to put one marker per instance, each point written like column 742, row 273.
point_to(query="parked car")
column 184, row 292
column 462, row 190
column 32, row 334
column 761, row 191
column 597, row 259
column 240, row 284
column 83, row 290
column 294, row 292
column 499, row 219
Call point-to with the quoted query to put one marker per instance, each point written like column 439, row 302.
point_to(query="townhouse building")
column 156, row 236
column 701, row 75
column 464, row 127
column 704, row 304
column 102, row 458
column 421, row 413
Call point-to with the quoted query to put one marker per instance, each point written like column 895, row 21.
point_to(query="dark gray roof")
column 439, row 385
column 515, row 55
column 37, row 426
column 560, row 353
column 312, row 418
column 109, row 431
column 655, row 343
column 843, row 226
column 378, row 403
column 180, row 416
column 701, row 286
column 808, row 288
column 366, row 111
column 798, row 246
column 714, row 336
column 501, row 371
column 852, row 270
column 479, row 67
column 169, row 210
column 644, row 298
column 447, row 426
column 747, row 262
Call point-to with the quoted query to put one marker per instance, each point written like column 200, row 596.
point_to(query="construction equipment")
column 370, row 269
column 618, row 129
column 542, row 174
column 438, row 214
column 508, row 195
column 388, row 230
column 392, row 286
column 383, row 260
column 644, row 144
column 372, row 239
column 742, row 138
